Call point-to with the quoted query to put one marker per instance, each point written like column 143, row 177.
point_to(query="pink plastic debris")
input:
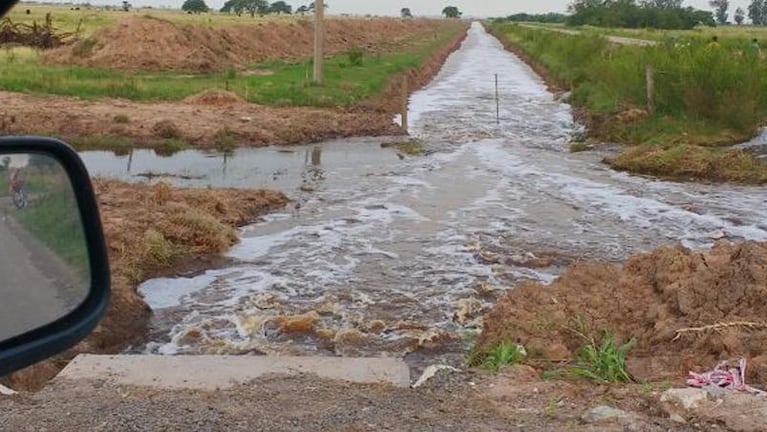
column 727, row 378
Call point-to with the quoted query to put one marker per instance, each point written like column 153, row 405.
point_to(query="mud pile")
column 151, row 230
column 146, row 43
column 720, row 296
column 214, row 98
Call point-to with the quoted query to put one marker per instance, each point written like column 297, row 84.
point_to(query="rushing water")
column 390, row 256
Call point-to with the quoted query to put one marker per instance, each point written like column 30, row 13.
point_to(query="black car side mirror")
column 54, row 270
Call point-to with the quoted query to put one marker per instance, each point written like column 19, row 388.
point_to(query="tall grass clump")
column 602, row 359
column 723, row 86
column 503, row 354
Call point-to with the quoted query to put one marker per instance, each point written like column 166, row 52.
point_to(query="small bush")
column 121, row 119
column 166, row 129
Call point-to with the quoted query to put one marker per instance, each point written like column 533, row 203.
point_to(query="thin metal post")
column 405, row 102
column 497, row 102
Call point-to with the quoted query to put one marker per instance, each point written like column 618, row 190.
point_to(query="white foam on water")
column 165, row 293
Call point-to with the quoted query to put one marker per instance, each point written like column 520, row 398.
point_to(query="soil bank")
column 687, row 310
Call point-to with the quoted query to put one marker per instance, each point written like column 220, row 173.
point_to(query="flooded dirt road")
column 397, row 257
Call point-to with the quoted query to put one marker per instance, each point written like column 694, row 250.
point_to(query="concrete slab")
column 211, row 372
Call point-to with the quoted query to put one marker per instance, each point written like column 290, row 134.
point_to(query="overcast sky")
column 480, row 8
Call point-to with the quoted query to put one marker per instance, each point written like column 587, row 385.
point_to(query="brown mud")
column 152, row 231
column 721, row 294
column 152, row 44
column 199, row 122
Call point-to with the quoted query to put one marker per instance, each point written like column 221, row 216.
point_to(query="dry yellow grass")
column 89, row 19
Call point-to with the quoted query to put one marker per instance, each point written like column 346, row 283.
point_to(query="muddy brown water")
column 391, row 256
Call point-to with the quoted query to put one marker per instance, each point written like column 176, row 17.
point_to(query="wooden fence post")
column 650, row 74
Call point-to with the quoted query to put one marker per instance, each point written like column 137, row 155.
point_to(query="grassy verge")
column 704, row 97
column 743, row 32
column 350, row 78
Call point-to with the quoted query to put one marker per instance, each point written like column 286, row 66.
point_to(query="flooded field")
column 399, row 256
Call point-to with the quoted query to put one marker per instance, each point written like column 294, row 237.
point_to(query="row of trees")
column 663, row 14
column 261, row 7
column 541, row 18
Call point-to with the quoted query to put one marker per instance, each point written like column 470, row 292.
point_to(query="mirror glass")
column 44, row 266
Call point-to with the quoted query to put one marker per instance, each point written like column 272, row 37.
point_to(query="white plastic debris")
column 5, row 391
column 431, row 371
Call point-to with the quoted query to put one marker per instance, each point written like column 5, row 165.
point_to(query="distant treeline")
column 662, row 14
column 541, row 18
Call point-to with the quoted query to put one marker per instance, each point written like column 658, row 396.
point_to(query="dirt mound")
column 214, row 98
column 651, row 298
column 145, row 43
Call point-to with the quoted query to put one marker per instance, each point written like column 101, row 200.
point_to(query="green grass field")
column 704, row 96
column 275, row 83
column 743, row 33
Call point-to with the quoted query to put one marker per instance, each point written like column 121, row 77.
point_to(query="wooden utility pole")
column 319, row 40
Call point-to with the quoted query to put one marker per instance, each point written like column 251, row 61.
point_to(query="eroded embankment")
column 687, row 310
column 153, row 44
column 152, row 230
column 213, row 119
column 661, row 145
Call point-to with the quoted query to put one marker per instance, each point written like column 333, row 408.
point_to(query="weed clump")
column 155, row 248
column 199, row 230
column 503, row 354
column 171, row 146
column 356, row 57
column 84, row 47
column 224, row 140
column 603, row 359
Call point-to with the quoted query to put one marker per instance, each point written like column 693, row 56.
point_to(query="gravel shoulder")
column 514, row 400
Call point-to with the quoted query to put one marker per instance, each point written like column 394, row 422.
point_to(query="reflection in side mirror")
column 43, row 253
column 54, row 271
